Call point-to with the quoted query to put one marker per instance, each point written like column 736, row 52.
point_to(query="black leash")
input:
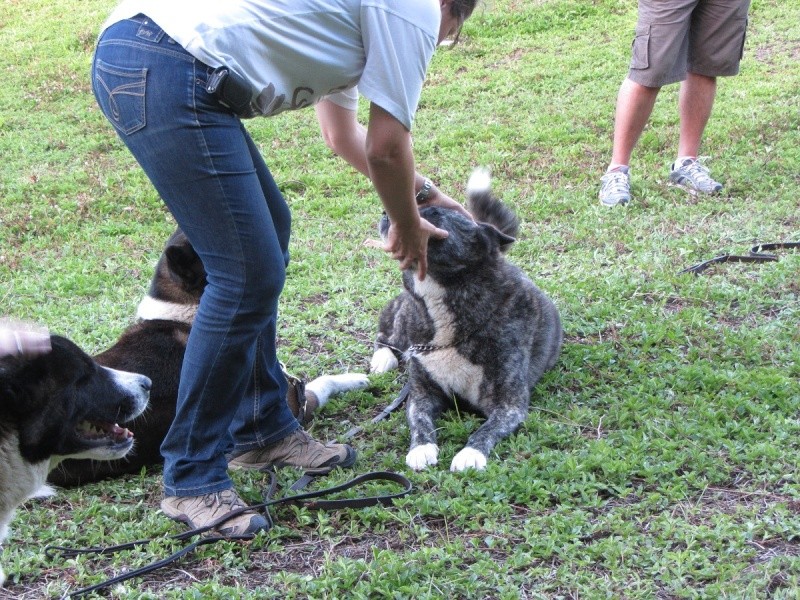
column 311, row 500
column 758, row 254
column 397, row 403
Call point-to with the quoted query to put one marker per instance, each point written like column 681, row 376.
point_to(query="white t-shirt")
column 295, row 52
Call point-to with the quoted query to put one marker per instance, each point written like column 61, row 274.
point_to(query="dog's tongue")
column 120, row 432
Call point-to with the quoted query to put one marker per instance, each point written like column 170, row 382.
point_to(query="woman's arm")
column 343, row 134
column 346, row 137
column 390, row 161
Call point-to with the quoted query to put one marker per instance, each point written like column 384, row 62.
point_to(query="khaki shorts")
column 674, row 37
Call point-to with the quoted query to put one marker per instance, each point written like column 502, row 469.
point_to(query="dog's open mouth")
column 100, row 433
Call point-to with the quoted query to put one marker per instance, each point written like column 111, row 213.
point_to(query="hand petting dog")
column 22, row 339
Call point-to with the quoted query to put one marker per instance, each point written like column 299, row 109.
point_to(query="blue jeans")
column 215, row 183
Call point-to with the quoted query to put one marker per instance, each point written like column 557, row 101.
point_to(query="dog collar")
column 424, row 348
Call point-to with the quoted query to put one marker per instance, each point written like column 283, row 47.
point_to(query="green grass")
column 661, row 456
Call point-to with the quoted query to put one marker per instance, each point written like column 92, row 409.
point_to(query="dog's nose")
column 146, row 384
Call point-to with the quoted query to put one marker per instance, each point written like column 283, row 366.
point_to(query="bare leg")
column 634, row 105
column 694, row 106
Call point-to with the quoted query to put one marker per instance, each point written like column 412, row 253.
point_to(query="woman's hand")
column 439, row 198
column 22, row 339
column 409, row 245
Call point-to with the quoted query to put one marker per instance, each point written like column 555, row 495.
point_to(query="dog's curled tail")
column 487, row 208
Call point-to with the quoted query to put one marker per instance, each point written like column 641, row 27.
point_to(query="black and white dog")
column 475, row 331
column 55, row 406
column 155, row 345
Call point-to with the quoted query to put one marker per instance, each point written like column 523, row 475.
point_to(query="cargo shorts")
column 675, row 37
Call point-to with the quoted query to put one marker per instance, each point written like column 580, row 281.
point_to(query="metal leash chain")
column 300, row 499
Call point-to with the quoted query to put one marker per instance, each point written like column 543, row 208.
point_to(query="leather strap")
column 757, row 254
column 311, row 500
column 397, row 403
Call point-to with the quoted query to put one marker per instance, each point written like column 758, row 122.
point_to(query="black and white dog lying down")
column 475, row 332
column 55, row 406
column 155, row 345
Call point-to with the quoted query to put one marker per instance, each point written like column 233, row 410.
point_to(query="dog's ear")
column 186, row 264
column 503, row 240
column 9, row 366
column 15, row 398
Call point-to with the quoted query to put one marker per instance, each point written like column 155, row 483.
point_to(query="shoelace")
column 699, row 174
column 615, row 182
column 222, row 499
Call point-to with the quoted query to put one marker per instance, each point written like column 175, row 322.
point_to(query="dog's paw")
column 43, row 492
column 468, row 458
column 383, row 361
column 420, row 457
column 326, row 386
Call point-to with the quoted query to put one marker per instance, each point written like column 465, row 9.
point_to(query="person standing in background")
column 691, row 41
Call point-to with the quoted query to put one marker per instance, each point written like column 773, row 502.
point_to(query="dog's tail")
column 487, row 208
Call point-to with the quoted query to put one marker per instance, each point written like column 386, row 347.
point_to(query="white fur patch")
column 19, row 479
column 454, row 373
column 44, row 492
column 422, row 456
column 151, row 309
column 383, row 361
column 132, row 384
column 479, row 181
column 433, row 295
column 468, row 458
column 329, row 385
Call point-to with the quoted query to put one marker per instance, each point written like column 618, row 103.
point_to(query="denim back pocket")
column 120, row 94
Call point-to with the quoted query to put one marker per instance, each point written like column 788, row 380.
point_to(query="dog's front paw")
column 420, row 457
column 43, row 492
column 468, row 458
column 383, row 361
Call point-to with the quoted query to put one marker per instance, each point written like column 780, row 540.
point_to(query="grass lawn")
column 660, row 459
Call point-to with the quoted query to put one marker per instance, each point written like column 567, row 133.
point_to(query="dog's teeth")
column 96, row 430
